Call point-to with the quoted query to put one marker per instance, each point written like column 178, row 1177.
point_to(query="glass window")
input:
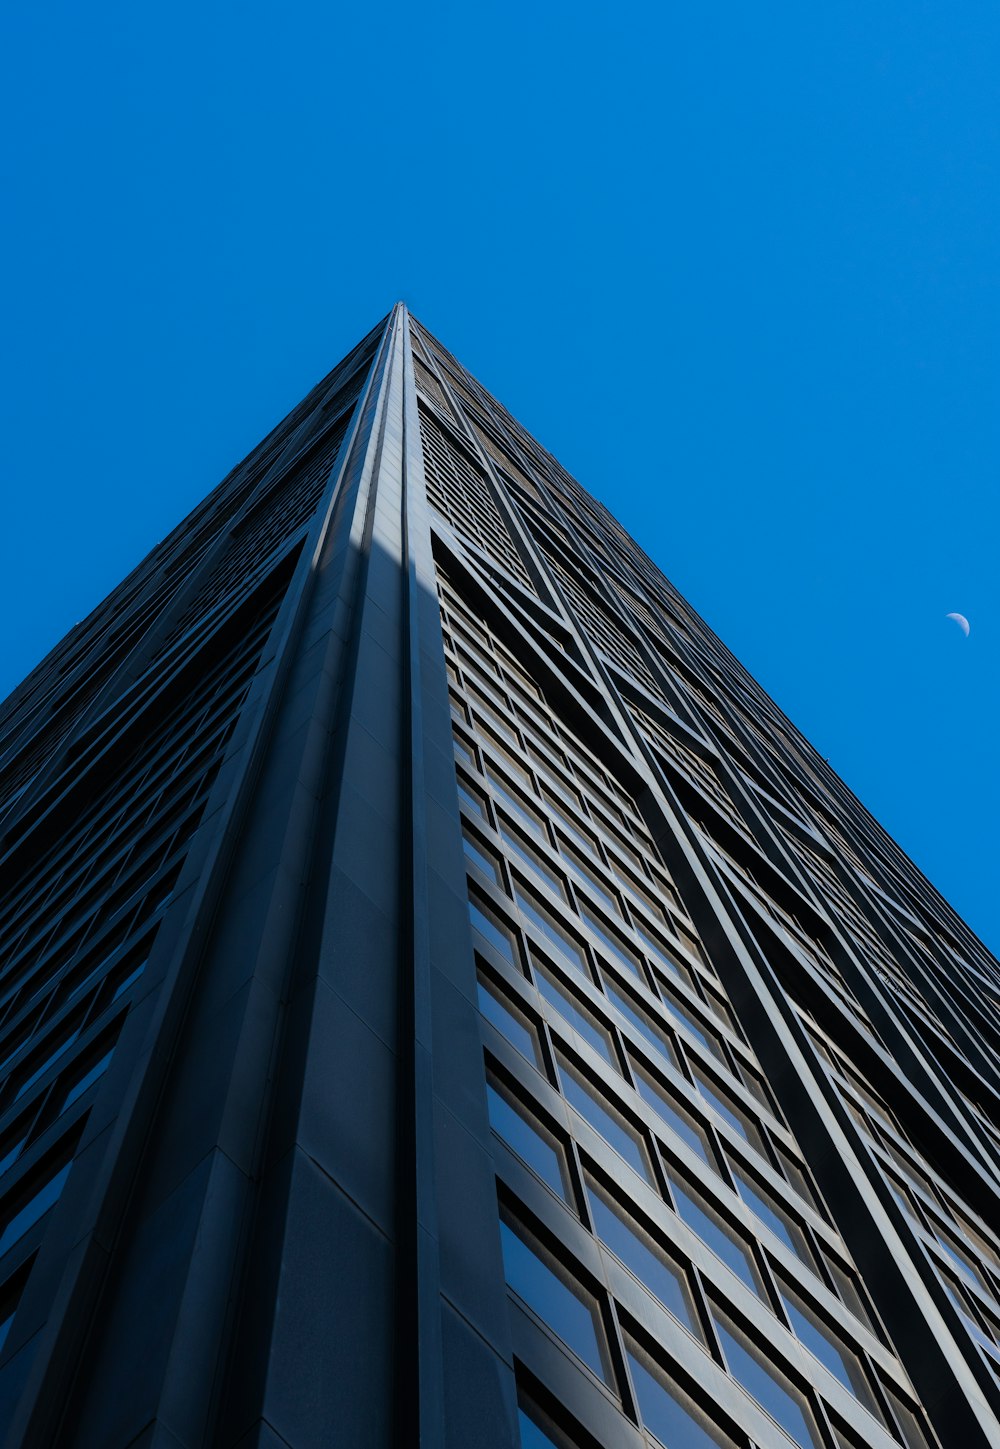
column 718, row 1235
column 913, row 1435
column 588, row 875
column 672, row 1114
column 828, row 1347
column 532, row 1435
column 479, row 855
column 642, row 1257
column 610, row 1124
column 850, row 1294
column 508, row 1020
column 686, row 1018
column 471, row 797
column 666, row 1411
column 34, row 1208
column 564, row 1305
column 610, row 940
column 582, row 1021
column 515, row 802
column 579, row 833
column 529, row 1140
column 762, row 1381
column 523, row 848
column 492, row 930
column 727, row 1109
column 631, row 1012
column 551, row 928
column 779, row 1223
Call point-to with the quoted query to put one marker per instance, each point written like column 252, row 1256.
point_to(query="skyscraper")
column 445, row 1002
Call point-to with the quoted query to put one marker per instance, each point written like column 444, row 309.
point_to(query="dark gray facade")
column 443, row 1001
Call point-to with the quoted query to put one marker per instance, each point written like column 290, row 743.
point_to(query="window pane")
column 526, row 852
column 531, row 1436
column 717, row 1235
column 782, row 1228
column 672, row 1115
column 624, row 1139
column 610, row 941
column 526, row 1139
column 669, row 1413
column 32, row 1210
column 497, row 935
column 569, row 1311
column 728, row 1110
column 637, row 1252
column 502, row 1015
column 687, row 1019
column 476, row 852
column 823, row 1344
column 632, row 1013
column 760, row 1380
column 595, row 1035
column 539, row 916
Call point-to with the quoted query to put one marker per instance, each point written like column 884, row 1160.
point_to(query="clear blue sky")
column 735, row 265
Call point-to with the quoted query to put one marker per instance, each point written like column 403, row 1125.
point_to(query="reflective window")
column 642, row 1257
column 34, row 1208
column 727, row 1109
column 761, row 1379
column 631, row 1011
column 825, row 1345
column 565, row 1306
column 582, row 1022
column 508, row 1021
column 782, row 1227
column 668, row 1412
column 477, row 853
column 489, row 926
column 610, row 941
column 717, row 1234
column 673, row 1115
column 612, row 1127
column 552, row 929
column 529, row 1140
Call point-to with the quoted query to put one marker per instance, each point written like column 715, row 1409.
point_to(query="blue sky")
column 735, row 265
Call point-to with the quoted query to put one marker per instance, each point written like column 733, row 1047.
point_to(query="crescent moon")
column 961, row 621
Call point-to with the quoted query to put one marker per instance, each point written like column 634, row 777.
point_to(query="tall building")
column 445, row 1002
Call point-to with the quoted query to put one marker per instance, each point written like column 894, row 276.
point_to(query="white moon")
column 961, row 621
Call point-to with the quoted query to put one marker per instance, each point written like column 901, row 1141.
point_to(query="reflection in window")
column 716, row 1234
column 550, row 927
column 478, row 855
column 569, row 1311
column 762, row 1382
column 624, row 1139
column 824, row 1344
column 673, row 1115
column 500, row 937
column 582, row 1022
column 637, row 1251
column 528, row 1140
column 667, row 1411
column 780, row 1225
column 631, row 1013
column 508, row 1021
column 34, row 1208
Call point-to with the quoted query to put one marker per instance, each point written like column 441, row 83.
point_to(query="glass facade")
column 443, row 993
